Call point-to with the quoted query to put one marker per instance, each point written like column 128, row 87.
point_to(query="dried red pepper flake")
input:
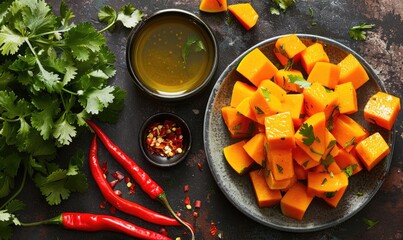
column 113, row 183
column 200, row 166
column 178, row 214
column 187, row 200
column 102, row 205
column 165, row 139
column 118, row 192
column 213, row 229
column 132, row 190
column 118, row 175
column 104, row 167
column 195, row 214
column 112, row 210
column 127, row 179
column 197, row 204
column 186, row 188
column 163, row 231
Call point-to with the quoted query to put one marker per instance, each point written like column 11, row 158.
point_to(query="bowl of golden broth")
column 172, row 55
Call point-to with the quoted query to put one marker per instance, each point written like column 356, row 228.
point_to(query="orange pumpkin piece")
column 296, row 201
column 294, row 103
column 255, row 148
column 245, row 13
column 325, row 73
column 282, row 185
column 321, row 183
column 311, row 136
column 246, row 110
column 345, row 159
column 264, row 104
column 311, row 55
column 282, row 78
column 330, row 142
column 241, row 91
column 237, row 158
column 238, row 125
column 372, row 150
column 303, row 159
column 280, row 131
column 300, row 172
column 347, row 98
column 334, row 198
column 318, row 99
column 255, row 67
column 280, row 163
column 382, row 109
column 288, row 48
column 264, row 195
column 213, row 6
column 352, row 71
column 348, row 132
column 327, row 165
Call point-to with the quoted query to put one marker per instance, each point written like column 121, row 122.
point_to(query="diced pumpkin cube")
column 237, row 158
column 372, row 150
column 280, row 131
column 347, row 98
column 327, row 74
column 255, row 148
column 245, row 14
column 382, row 109
column 347, row 132
column 346, row 160
column 241, row 91
column 318, row 99
column 264, row 104
column 334, row 198
column 282, row 185
column 246, row 110
column 282, row 78
column 351, row 70
column 213, row 6
column 303, row 159
column 238, row 125
column 294, row 103
column 300, row 172
column 255, row 67
column 280, row 163
column 321, row 183
column 311, row 136
column 288, row 48
column 330, row 142
column 313, row 54
column 327, row 165
column 296, row 201
column 264, row 195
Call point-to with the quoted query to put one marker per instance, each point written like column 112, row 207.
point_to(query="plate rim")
column 206, row 133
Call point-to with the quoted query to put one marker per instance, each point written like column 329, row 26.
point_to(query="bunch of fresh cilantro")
column 53, row 75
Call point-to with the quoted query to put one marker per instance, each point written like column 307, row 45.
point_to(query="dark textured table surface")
column 383, row 50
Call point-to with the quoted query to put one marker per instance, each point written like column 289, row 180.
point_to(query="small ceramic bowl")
column 172, row 54
column 148, row 137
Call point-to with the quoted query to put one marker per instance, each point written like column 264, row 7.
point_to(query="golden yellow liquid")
column 157, row 55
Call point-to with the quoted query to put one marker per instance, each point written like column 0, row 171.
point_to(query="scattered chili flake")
column 132, row 190
column 187, row 202
column 199, row 165
column 112, row 210
column 178, row 214
column 165, row 139
column 104, row 167
column 127, row 179
column 102, row 205
column 163, row 231
column 113, row 183
column 186, row 188
column 197, row 204
column 213, row 229
column 118, row 175
column 195, row 214
column 118, row 192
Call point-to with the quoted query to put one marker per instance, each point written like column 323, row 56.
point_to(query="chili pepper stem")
column 162, row 198
column 55, row 220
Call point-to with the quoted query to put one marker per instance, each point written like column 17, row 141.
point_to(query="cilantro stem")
column 19, row 189
column 109, row 26
column 68, row 91
column 51, row 32
column 9, row 120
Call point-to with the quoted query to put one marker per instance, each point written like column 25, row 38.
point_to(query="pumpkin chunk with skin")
column 352, row 71
column 327, row 74
column 213, row 6
column 255, row 148
column 245, row 14
column 264, row 195
column 296, row 201
column 288, row 48
column 241, row 91
column 321, row 183
column 311, row 55
column 372, row 150
column 347, row 98
column 311, row 136
column 238, row 125
column 382, row 109
column 318, row 99
column 280, row 131
column 237, row 158
column 347, row 132
column 256, row 67
column 282, row 78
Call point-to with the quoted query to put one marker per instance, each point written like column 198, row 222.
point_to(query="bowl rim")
column 185, row 131
column 179, row 12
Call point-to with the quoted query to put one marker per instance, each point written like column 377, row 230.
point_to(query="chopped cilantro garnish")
column 370, row 223
column 330, row 194
column 349, row 143
column 309, row 137
column 299, row 80
column 194, row 43
column 327, row 161
column 358, row 32
column 279, row 168
column 266, row 94
column 324, row 181
column 258, row 110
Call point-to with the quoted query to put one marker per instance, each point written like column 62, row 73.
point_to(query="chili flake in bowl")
column 165, row 139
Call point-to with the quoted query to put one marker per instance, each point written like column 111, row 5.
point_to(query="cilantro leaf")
column 64, row 131
column 107, row 15
column 358, row 32
column 309, row 137
column 98, row 99
column 129, row 16
column 192, row 41
column 299, row 81
column 284, row 4
column 10, row 41
column 370, row 223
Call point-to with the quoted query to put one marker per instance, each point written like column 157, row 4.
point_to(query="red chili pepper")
column 140, row 176
column 121, row 203
column 92, row 223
